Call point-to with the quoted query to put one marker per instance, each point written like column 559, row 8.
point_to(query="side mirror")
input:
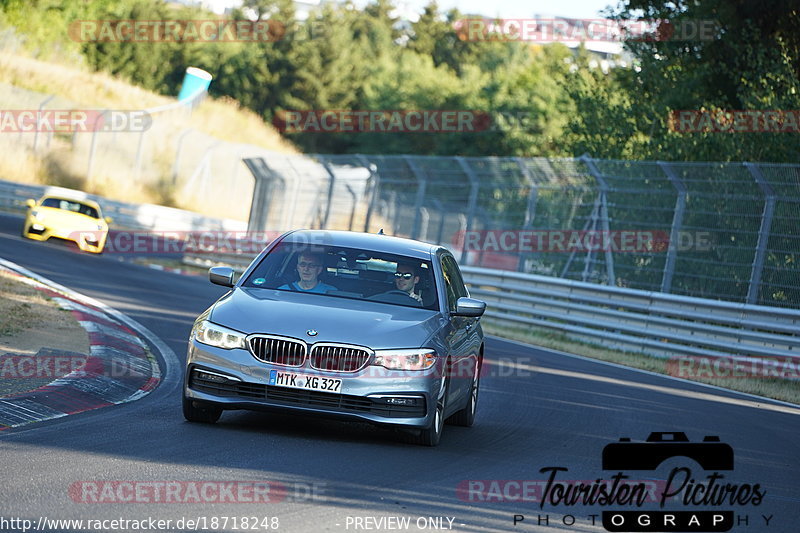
column 469, row 307
column 30, row 202
column 221, row 276
column 109, row 220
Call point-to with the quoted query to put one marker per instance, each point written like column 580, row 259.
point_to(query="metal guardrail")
column 128, row 216
column 657, row 324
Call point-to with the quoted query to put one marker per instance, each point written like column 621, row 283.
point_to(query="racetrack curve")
column 537, row 408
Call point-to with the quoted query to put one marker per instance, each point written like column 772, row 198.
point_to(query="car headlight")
column 35, row 213
column 216, row 335
column 415, row 359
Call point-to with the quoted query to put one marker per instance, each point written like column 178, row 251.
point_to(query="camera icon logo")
column 711, row 454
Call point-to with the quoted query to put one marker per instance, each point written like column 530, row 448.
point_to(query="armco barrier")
column 659, row 324
column 124, row 215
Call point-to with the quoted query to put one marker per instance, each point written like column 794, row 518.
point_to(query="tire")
column 431, row 435
column 466, row 416
column 205, row 414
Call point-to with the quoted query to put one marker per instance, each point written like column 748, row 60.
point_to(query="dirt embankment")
column 39, row 341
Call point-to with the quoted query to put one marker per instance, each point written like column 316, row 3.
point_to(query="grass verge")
column 186, row 160
column 29, row 321
column 779, row 389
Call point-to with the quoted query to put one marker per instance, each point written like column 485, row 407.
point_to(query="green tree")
column 748, row 60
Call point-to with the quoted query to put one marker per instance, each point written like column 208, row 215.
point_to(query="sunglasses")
column 404, row 275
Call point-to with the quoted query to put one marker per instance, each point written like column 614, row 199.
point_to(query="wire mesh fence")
column 714, row 230
column 164, row 159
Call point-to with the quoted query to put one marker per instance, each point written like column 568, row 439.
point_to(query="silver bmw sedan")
column 343, row 325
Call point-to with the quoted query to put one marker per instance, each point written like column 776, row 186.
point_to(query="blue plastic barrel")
column 194, row 81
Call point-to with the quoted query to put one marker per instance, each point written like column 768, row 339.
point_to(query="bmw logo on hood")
column 311, row 333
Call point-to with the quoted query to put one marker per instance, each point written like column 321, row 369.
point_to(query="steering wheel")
column 386, row 297
column 398, row 291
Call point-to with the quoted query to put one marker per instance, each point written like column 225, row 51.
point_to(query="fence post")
column 677, row 223
column 39, row 122
column 592, row 217
column 264, row 178
column 530, row 209
column 395, row 211
column 139, row 151
column 603, row 214
column 178, row 152
column 425, row 217
column 353, row 208
column 374, row 180
column 331, row 185
column 763, row 232
column 474, row 185
column 462, row 224
column 422, row 183
column 92, row 147
column 440, row 209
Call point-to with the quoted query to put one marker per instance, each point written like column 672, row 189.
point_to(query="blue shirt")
column 319, row 288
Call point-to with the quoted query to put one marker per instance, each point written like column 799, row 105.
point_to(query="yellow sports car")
column 72, row 219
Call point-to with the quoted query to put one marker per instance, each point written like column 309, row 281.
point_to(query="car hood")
column 291, row 314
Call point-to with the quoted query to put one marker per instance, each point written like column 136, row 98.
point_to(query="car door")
column 459, row 338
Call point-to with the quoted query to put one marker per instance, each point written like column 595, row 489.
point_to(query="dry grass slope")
column 61, row 159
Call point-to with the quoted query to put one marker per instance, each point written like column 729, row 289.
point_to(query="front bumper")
column 370, row 394
column 87, row 241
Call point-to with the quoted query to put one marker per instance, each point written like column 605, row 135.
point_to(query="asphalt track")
column 537, row 409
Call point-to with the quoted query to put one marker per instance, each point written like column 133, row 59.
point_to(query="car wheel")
column 466, row 416
column 431, row 435
column 206, row 414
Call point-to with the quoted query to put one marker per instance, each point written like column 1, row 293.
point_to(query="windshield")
column 347, row 273
column 71, row 205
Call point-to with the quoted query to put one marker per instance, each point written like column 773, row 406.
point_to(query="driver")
column 309, row 267
column 406, row 279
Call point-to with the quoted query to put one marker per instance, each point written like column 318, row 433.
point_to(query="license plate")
column 301, row 381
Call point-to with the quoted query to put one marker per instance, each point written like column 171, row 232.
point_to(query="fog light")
column 408, row 401
column 213, row 377
column 402, row 401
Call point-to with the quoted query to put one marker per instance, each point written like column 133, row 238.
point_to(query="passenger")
column 309, row 267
